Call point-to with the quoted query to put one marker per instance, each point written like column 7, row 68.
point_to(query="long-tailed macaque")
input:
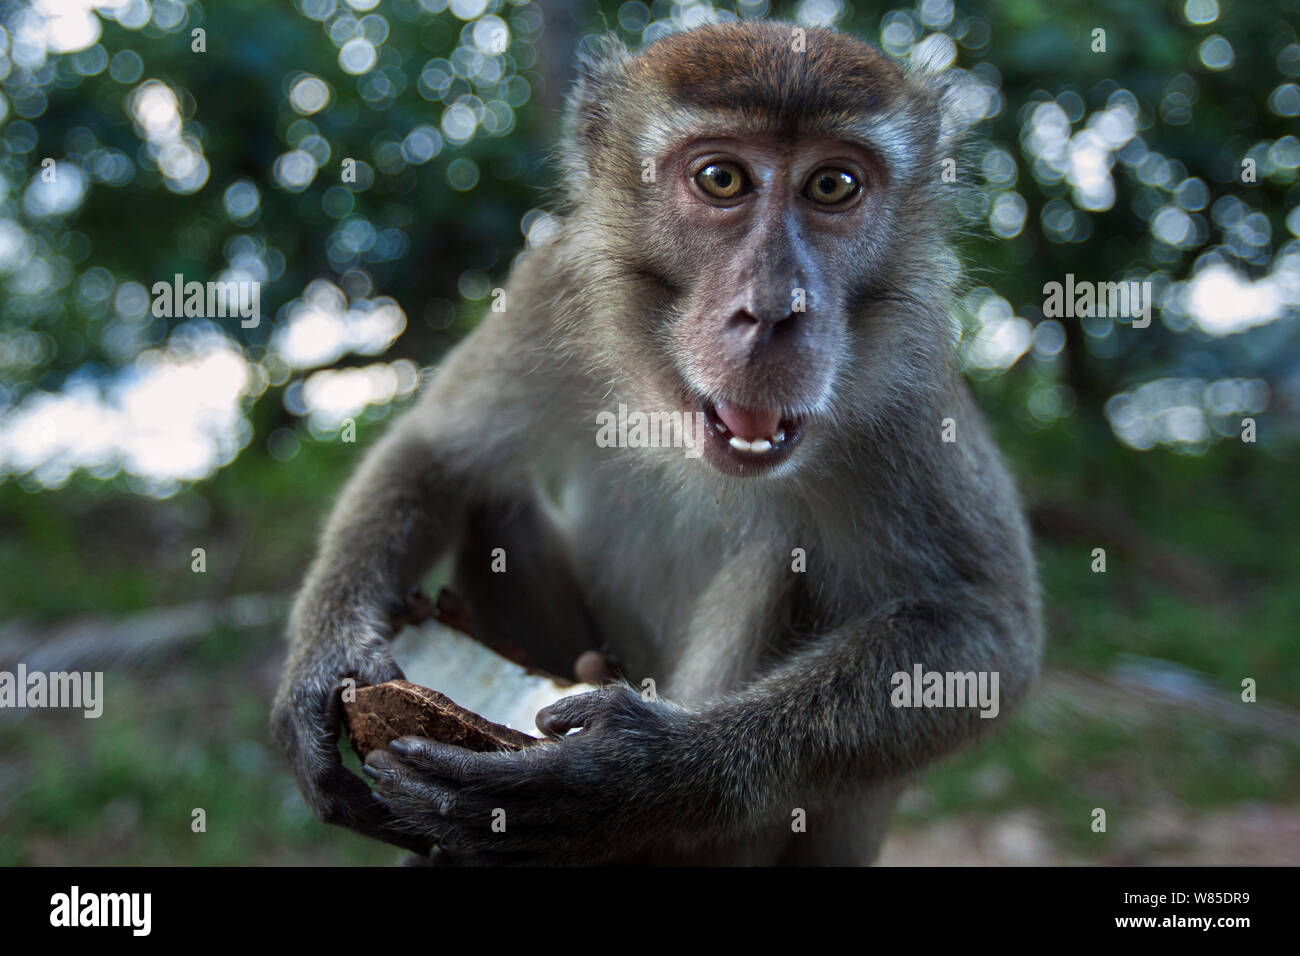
column 754, row 237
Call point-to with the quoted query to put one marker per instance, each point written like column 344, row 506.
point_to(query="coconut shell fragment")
column 383, row 712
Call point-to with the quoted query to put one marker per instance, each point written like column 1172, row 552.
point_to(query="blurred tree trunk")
column 555, row 51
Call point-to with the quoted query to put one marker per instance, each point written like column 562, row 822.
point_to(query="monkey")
column 754, row 232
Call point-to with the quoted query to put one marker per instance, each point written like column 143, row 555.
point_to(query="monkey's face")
column 763, row 209
column 770, row 237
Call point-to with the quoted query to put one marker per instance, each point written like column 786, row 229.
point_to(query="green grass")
column 123, row 788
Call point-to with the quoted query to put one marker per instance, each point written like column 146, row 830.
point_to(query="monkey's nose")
column 761, row 327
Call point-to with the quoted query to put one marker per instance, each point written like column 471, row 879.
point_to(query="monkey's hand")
column 612, row 789
column 305, row 722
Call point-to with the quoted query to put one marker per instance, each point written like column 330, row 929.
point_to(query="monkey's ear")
column 602, row 79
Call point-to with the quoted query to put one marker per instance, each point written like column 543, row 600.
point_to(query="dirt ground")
column 1250, row 834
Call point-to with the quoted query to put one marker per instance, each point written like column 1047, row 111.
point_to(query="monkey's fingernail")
column 400, row 747
column 370, row 771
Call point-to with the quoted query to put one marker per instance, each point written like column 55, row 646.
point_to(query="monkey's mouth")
column 748, row 440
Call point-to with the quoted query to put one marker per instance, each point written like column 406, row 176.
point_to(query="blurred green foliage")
column 449, row 140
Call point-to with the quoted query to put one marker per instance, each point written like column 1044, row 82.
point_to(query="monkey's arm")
column 399, row 512
column 385, row 531
column 642, row 774
column 826, row 713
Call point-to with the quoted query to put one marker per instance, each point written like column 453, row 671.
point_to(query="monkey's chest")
column 682, row 595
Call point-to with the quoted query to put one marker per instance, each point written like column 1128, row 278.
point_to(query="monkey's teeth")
column 756, row 447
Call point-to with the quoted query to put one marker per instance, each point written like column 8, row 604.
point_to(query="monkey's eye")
column 721, row 180
column 830, row 186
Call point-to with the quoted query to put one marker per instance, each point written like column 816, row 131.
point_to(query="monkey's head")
column 754, row 205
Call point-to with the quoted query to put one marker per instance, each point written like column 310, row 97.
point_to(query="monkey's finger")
column 568, row 713
column 379, row 669
column 465, row 822
column 458, row 821
column 407, row 793
column 352, row 806
column 336, row 795
column 455, row 764
column 382, row 670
